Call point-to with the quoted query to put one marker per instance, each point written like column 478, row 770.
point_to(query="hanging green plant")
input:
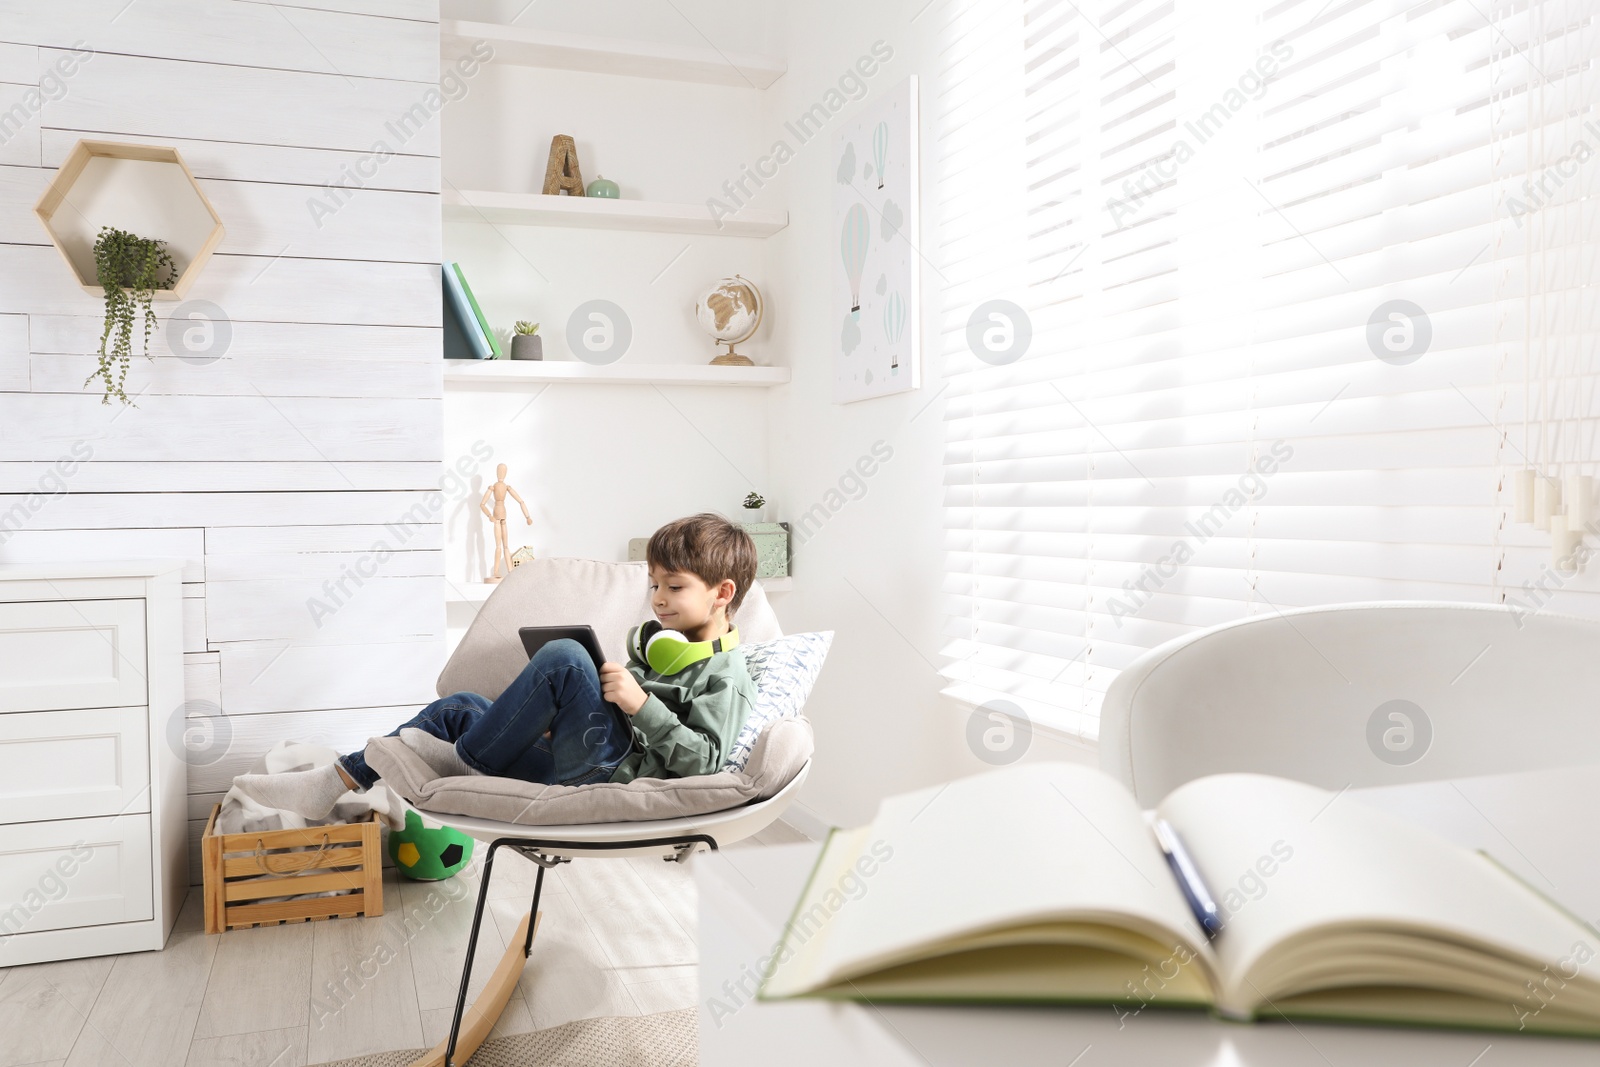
column 129, row 269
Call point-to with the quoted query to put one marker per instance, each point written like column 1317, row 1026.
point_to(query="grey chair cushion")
column 611, row 597
column 564, row 590
column 779, row 753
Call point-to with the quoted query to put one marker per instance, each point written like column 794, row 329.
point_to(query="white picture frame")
column 876, row 305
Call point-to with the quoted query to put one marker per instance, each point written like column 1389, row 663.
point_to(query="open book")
column 1045, row 883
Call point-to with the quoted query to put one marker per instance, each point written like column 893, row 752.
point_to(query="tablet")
column 536, row 637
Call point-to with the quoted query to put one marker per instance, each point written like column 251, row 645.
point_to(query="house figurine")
column 521, row 556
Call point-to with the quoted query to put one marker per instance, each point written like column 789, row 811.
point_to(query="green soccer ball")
column 427, row 855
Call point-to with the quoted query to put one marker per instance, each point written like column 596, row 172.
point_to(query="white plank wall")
column 261, row 217
column 272, row 286
column 230, row 161
column 13, row 351
column 291, row 37
column 314, row 443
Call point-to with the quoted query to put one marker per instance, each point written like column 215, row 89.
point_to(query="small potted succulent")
column 129, row 269
column 753, row 503
column 526, row 342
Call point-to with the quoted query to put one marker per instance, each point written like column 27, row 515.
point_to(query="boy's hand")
column 621, row 688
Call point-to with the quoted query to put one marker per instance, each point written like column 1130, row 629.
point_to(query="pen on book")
column 1189, row 880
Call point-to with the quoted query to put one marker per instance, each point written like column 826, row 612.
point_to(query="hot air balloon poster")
column 876, row 268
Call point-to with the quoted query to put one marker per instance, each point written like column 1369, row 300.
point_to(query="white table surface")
column 1542, row 825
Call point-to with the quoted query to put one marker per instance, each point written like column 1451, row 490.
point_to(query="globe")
column 730, row 311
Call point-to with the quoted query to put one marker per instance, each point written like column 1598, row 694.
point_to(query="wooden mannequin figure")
column 499, row 491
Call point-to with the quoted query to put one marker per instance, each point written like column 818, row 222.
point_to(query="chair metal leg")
column 472, row 947
column 533, row 912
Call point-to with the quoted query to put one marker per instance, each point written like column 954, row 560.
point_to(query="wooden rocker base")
column 485, row 1011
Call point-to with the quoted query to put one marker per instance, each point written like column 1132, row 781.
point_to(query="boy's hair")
column 709, row 547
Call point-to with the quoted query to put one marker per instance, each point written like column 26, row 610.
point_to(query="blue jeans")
column 558, row 692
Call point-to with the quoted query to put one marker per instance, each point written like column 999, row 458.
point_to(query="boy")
column 551, row 724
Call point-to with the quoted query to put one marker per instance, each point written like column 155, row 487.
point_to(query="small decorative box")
column 772, row 547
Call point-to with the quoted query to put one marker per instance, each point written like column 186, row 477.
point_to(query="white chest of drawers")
column 93, row 849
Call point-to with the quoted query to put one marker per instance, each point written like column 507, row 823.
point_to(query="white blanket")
column 242, row 813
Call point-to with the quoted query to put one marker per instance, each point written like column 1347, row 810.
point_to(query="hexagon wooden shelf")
column 144, row 189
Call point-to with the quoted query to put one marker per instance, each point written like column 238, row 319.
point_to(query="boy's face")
column 684, row 603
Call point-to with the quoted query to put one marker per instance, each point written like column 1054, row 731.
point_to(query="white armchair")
column 610, row 597
column 1307, row 694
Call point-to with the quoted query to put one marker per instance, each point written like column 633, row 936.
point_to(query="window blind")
column 1303, row 285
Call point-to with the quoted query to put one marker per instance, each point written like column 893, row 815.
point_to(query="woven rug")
column 667, row 1039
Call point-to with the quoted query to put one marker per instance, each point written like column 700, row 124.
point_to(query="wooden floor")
column 617, row 938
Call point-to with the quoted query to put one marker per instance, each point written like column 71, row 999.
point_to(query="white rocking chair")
column 610, row 597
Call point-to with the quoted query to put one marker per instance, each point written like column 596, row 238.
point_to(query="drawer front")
column 73, row 764
column 74, row 872
column 72, row 654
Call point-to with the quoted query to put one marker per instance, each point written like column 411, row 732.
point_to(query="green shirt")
column 688, row 720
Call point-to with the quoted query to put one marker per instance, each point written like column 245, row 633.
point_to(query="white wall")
column 872, row 572
column 282, row 464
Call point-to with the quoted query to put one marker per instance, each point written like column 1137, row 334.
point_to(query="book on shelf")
column 459, row 312
column 1045, row 883
column 483, row 322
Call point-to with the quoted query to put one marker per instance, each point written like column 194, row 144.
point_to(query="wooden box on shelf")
column 241, row 869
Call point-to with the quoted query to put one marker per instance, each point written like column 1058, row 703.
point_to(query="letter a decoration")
column 562, row 172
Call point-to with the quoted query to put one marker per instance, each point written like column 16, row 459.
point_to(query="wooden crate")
column 233, row 867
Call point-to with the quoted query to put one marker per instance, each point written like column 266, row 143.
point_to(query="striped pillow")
column 784, row 670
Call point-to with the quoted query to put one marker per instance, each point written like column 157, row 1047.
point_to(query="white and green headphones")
column 668, row 651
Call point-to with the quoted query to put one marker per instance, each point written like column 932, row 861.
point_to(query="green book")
column 483, row 323
column 1044, row 883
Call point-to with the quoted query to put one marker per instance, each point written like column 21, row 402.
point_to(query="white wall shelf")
column 468, row 592
column 594, row 212
column 478, row 592
column 493, row 373
column 610, row 55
